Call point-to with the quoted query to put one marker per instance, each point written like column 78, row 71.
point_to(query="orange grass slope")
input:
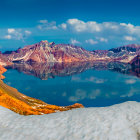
column 2, row 70
column 24, row 105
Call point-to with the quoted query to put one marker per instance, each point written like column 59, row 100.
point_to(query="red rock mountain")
column 44, row 52
column 4, row 61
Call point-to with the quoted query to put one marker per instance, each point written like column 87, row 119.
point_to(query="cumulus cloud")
column 102, row 39
column 17, row 34
column 129, row 38
column 74, row 41
column 11, row 30
column 14, row 34
column 93, row 26
column 130, row 28
column 7, row 36
column 28, row 32
column 101, row 32
column 63, row 26
column 88, row 33
column 81, row 26
column 91, row 41
column 45, row 25
column 43, row 21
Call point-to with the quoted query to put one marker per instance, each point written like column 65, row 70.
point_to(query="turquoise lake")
column 90, row 86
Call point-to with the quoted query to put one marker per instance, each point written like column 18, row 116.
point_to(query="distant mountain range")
column 45, row 52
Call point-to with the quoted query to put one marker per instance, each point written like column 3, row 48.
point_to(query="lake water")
column 93, row 85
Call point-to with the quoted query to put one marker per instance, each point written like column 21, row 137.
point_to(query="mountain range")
column 45, row 52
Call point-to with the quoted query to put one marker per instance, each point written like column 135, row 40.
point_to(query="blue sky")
column 92, row 24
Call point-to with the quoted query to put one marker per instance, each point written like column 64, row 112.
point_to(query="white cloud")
column 130, row 28
column 92, row 32
column 102, row 39
column 91, row 41
column 63, row 26
column 87, row 32
column 11, row 30
column 8, row 37
column 27, row 32
column 16, row 34
column 104, row 30
column 43, row 21
column 45, row 25
column 129, row 38
column 95, row 27
column 74, row 41
column 81, row 26
column 77, row 25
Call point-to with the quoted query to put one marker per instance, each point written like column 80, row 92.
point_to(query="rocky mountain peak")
column 45, row 43
column 128, row 48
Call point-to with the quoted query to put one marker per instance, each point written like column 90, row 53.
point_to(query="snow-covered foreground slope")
column 118, row 122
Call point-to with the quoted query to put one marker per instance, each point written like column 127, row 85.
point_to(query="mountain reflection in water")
column 50, row 70
column 91, row 84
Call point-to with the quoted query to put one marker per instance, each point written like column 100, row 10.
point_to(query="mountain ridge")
column 45, row 52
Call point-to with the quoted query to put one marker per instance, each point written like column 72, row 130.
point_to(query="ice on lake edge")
column 117, row 122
